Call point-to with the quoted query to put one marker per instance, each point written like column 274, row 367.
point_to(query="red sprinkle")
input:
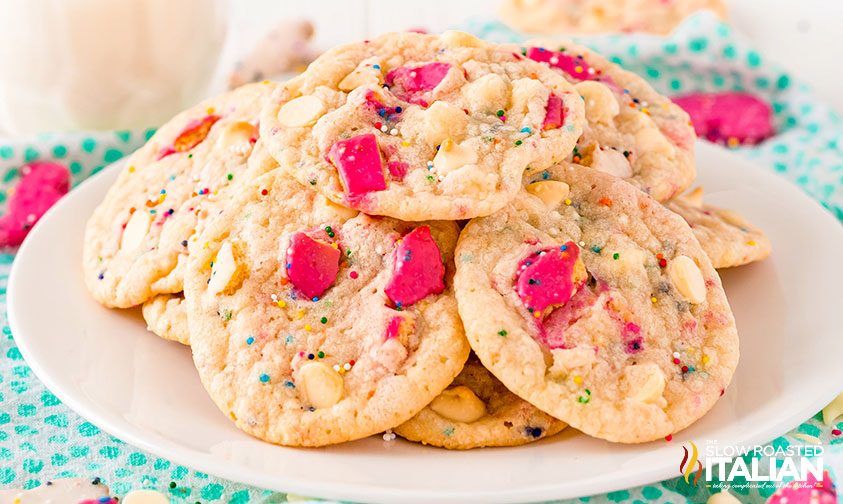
column 264, row 192
column 668, row 438
column 663, row 263
column 676, row 361
column 684, row 369
column 353, row 275
column 836, row 432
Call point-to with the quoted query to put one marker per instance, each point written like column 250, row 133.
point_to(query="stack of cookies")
column 464, row 243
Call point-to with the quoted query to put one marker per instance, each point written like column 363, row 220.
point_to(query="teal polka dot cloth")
column 41, row 439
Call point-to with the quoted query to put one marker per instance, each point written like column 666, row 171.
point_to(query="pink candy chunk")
column 417, row 269
column 312, row 265
column 42, row 184
column 410, row 82
column 192, row 135
column 574, row 66
column 554, row 115
column 730, row 117
column 358, row 160
column 548, row 278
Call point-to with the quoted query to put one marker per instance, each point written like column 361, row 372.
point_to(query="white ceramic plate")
column 104, row 365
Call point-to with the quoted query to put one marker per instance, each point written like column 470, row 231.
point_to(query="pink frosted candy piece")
column 417, row 269
column 358, row 160
column 810, row 491
column 43, row 183
column 393, row 329
column 312, row 265
column 397, row 169
column 192, row 135
column 574, row 66
column 546, row 278
column 410, row 82
column 553, row 328
column 729, row 117
column 554, row 115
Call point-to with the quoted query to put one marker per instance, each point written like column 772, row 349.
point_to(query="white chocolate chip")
column 651, row 141
column 833, row 410
column 723, row 497
column 488, row 94
column 551, row 192
column 135, row 230
column 567, row 360
column 321, row 385
column 225, row 271
column 301, row 111
column 529, row 97
column 327, row 210
column 454, row 39
column 687, row 278
column 145, row 497
column 459, row 404
column 452, row 156
column 237, row 135
column 631, row 260
column 646, row 382
column 442, row 121
column 612, row 162
column 601, row 106
column 363, row 75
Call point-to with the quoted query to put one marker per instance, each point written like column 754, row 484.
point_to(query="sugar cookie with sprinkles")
column 477, row 411
column 136, row 241
column 312, row 324
column 631, row 131
column 728, row 238
column 597, row 305
column 166, row 317
column 165, row 314
column 420, row 127
column 603, row 16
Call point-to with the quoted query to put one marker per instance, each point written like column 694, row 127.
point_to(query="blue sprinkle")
column 398, row 110
column 172, row 177
column 376, row 66
column 563, row 248
column 250, row 340
column 315, row 299
column 289, row 265
column 289, row 384
column 525, row 129
column 545, row 175
column 101, row 275
column 264, row 378
column 152, row 211
column 289, row 339
column 163, row 191
column 596, row 249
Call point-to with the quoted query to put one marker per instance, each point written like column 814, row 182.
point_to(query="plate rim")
column 364, row 491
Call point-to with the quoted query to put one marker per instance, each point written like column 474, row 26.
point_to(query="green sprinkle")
column 230, row 176
column 430, row 178
column 502, row 333
column 499, row 113
column 320, row 354
column 616, row 256
column 518, row 142
column 324, row 320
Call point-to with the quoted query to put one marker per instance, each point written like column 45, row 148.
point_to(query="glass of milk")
column 70, row 65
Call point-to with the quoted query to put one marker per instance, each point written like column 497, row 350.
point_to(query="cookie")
column 311, row 324
column 420, row 127
column 137, row 239
column 476, row 411
column 76, row 490
column 631, row 131
column 165, row 316
column 597, row 305
column 602, row 16
column 727, row 238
